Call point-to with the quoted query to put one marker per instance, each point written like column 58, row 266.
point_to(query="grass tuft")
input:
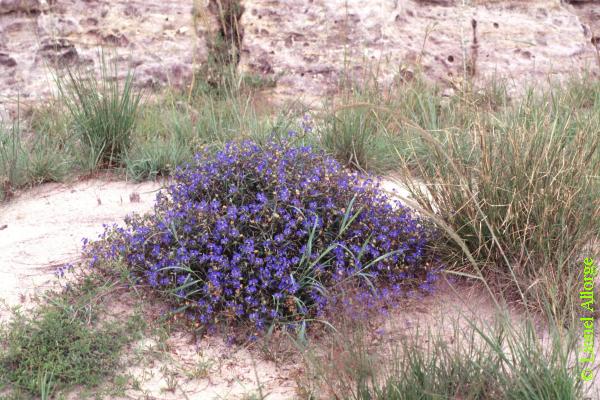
column 13, row 160
column 520, row 187
column 104, row 111
column 458, row 358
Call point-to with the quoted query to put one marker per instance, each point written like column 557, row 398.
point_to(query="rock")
column 314, row 46
column 115, row 39
column 53, row 25
column 446, row 3
column 309, row 46
column 28, row 6
column 60, row 51
column 71, row 32
column 589, row 15
column 7, row 61
column 132, row 11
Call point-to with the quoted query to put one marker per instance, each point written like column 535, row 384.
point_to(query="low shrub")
column 265, row 233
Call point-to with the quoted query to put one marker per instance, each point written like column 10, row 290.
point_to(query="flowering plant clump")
column 264, row 233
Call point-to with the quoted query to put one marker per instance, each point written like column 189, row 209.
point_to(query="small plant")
column 55, row 347
column 202, row 369
column 27, row 159
column 104, row 111
column 356, row 130
column 354, row 135
column 13, row 160
column 157, row 158
column 47, row 161
column 264, row 233
column 361, row 128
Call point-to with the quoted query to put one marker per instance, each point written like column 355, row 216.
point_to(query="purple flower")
column 250, row 231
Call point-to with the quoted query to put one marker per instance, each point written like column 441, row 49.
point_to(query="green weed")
column 28, row 160
column 63, row 343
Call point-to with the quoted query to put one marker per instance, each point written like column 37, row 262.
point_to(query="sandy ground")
column 209, row 369
column 206, row 368
column 43, row 228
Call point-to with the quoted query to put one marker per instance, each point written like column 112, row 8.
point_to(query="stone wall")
column 312, row 43
column 308, row 45
column 161, row 39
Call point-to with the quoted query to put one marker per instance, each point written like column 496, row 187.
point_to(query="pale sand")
column 45, row 225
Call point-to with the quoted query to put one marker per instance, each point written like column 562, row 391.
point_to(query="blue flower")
column 250, row 231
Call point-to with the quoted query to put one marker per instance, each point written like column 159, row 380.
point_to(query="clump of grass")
column 520, row 187
column 104, row 111
column 52, row 149
column 63, row 343
column 354, row 130
column 354, row 135
column 28, row 160
column 55, row 150
column 361, row 128
column 13, row 159
column 47, row 162
column 164, row 139
column 462, row 358
column 159, row 157
column 171, row 131
column 218, row 121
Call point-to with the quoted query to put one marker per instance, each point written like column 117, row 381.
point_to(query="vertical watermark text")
column 587, row 353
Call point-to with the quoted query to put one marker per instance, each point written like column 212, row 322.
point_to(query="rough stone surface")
column 312, row 43
column 590, row 15
column 28, row 6
column 307, row 44
column 40, row 38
